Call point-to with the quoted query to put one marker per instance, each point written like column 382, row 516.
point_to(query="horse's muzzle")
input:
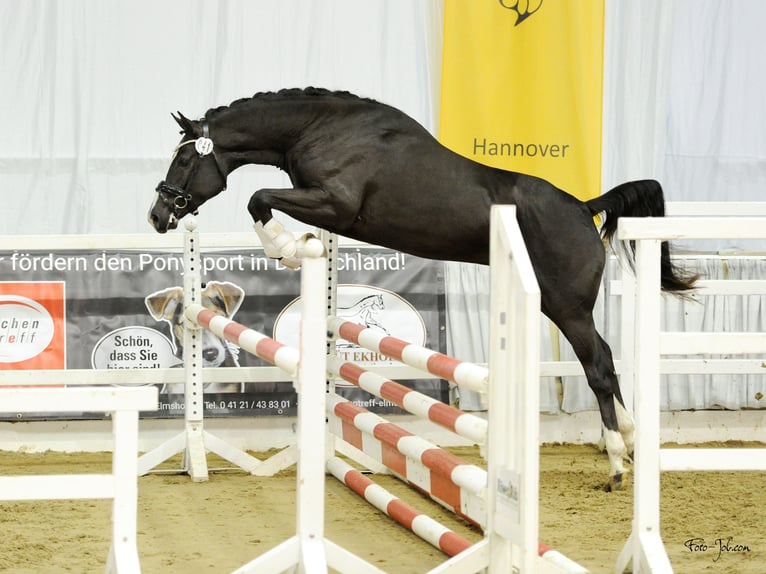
column 160, row 217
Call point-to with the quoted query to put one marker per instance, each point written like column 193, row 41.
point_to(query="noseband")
column 177, row 198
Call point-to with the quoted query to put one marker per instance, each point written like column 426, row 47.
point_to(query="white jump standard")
column 502, row 500
column 308, row 550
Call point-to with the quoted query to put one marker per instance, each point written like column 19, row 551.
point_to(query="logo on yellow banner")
column 523, row 8
column 526, row 98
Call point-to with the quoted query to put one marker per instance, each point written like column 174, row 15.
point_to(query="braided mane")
column 289, row 93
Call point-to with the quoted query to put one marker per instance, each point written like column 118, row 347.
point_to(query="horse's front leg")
column 309, row 205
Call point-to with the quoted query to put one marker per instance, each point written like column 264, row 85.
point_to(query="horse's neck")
column 261, row 132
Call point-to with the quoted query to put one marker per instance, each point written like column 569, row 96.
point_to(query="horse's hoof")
column 615, row 483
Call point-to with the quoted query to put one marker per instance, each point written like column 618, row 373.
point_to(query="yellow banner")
column 522, row 87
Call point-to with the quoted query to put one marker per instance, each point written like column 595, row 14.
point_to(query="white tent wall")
column 88, row 88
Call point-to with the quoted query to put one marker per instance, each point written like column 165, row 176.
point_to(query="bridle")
column 176, row 198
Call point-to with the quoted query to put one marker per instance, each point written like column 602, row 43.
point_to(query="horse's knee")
column 257, row 207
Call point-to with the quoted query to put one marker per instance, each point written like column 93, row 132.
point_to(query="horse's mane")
column 286, row 94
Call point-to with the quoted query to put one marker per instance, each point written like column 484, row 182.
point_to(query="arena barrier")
column 121, row 485
column 624, row 288
column 645, row 549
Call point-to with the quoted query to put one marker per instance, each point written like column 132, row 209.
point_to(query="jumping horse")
column 366, row 170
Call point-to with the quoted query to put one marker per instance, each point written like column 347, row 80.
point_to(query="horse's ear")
column 186, row 124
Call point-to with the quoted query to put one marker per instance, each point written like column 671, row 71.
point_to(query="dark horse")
column 367, row 171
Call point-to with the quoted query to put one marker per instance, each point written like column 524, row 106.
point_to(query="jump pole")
column 424, row 526
column 459, row 422
column 467, row 375
column 446, row 478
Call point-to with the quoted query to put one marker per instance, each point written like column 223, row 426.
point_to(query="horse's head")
column 195, row 175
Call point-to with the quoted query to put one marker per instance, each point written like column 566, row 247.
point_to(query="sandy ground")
column 219, row 525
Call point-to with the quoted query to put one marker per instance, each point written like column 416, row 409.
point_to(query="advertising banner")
column 124, row 310
column 522, row 87
column 32, row 325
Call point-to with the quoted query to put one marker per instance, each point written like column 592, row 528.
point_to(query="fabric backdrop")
column 88, row 88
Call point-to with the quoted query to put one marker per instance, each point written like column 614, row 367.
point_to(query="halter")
column 180, row 197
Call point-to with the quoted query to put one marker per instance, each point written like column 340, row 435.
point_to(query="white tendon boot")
column 627, row 428
column 277, row 243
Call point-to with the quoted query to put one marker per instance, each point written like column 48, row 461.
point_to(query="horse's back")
column 411, row 193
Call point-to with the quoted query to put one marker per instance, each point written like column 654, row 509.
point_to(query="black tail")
column 643, row 198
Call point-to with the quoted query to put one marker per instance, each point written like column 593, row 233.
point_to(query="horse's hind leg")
column 596, row 358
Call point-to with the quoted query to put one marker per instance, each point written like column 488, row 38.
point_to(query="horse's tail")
column 643, row 198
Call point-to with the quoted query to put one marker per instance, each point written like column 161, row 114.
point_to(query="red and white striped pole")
column 464, row 424
column 276, row 353
column 446, row 478
column 467, row 375
column 424, row 526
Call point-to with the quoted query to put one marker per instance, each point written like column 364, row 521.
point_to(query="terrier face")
column 223, row 298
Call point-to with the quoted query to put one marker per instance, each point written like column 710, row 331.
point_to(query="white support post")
column 648, row 548
column 191, row 440
column 309, row 552
column 195, row 458
column 330, row 243
column 513, row 441
column 194, row 441
column 123, row 550
column 310, row 386
column 627, row 335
